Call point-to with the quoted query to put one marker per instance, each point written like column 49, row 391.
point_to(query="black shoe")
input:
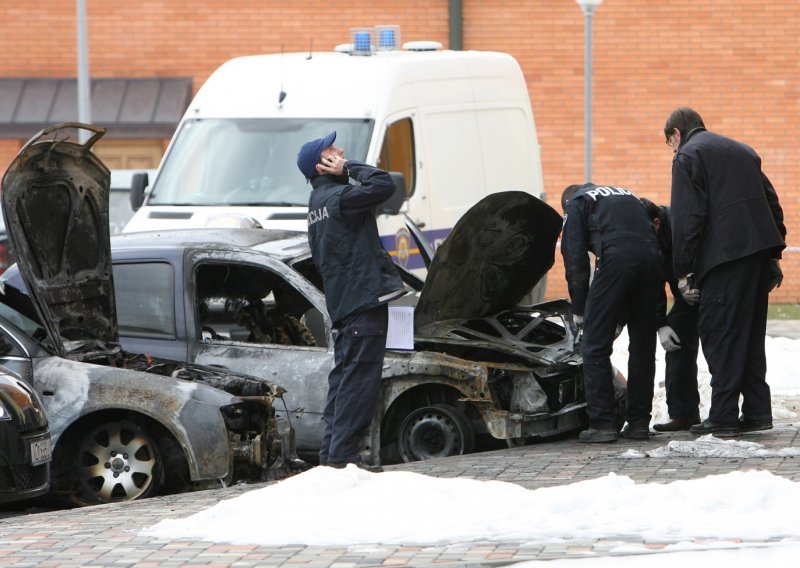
column 720, row 429
column 359, row 465
column 746, row 425
column 636, row 432
column 677, row 424
column 594, row 436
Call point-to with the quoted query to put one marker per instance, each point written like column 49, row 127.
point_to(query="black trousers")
column 353, row 383
column 625, row 288
column 733, row 324
column 680, row 377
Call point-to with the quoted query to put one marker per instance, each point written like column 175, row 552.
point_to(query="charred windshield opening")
column 248, row 162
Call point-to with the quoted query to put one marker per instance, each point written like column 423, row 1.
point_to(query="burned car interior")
column 251, row 304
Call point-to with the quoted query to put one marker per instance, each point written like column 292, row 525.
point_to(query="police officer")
column 359, row 279
column 677, row 333
column 612, row 223
column 727, row 236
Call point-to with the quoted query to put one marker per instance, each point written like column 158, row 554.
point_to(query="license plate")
column 41, row 451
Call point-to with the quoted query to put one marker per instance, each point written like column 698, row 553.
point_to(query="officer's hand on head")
column 668, row 338
column 578, row 321
column 775, row 274
column 690, row 293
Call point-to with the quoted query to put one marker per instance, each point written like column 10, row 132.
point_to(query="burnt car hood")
column 497, row 252
column 55, row 203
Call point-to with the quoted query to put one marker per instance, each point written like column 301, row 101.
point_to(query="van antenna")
column 310, row 48
column 282, row 94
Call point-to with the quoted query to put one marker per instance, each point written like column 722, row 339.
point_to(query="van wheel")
column 435, row 431
column 117, row 461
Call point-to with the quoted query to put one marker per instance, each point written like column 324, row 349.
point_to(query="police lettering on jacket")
column 317, row 215
column 605, row 191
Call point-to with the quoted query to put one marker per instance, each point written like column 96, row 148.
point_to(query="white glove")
column 577, row 320
column 687, row 289
column 668, row 338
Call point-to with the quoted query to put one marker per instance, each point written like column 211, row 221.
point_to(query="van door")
column 398, row 153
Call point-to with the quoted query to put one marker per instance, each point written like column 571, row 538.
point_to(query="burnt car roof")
column 282, row 244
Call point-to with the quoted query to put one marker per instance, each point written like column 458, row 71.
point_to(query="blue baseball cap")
column 308, row 156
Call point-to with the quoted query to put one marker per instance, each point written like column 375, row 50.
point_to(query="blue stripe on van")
column 404, row 249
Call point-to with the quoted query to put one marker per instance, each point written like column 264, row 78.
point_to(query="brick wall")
column 736, row 61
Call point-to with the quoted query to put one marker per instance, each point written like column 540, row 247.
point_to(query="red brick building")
column 736, row 61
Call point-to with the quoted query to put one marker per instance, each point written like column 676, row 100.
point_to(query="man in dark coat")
column 727, row 237
column 677, row 333
column 359, row 279
column 612, row 223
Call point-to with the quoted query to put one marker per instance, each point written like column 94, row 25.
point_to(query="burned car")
column 25, row 450
column 250, row 300
column 123, row 425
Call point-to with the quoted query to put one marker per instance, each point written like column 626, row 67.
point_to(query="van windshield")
column 244, row 162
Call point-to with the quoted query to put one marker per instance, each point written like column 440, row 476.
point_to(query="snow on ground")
column 710, row 447
column 331, row 507
column 351, row 507
column 782, row 377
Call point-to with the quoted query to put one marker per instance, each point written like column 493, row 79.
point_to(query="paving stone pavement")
column 106, row 535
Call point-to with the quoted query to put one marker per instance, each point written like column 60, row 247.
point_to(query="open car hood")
column 497, row 252
column 55, row 203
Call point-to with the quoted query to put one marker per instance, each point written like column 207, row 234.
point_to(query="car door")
column 149, row 307
column 229, row 293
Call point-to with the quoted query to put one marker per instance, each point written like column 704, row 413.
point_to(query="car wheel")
column 434, row 431
column 118, row 461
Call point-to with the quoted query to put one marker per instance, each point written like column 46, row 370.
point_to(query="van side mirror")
column 392, row 205
column 139, row 183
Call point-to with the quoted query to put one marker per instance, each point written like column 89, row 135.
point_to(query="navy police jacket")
column 604, row 220
column 723, row 207
column 357, row 272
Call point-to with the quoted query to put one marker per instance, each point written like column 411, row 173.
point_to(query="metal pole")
column 84, row 95
column 587, row 65
column 456, row 25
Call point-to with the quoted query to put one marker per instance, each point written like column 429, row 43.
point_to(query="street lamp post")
column 84, row 93
column 588, row 7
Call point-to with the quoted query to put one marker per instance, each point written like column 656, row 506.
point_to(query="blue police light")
column 388, row 37
column 362, row 41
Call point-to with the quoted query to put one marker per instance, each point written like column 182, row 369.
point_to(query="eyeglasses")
column 672, row 140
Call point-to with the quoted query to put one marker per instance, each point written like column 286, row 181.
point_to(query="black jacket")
column 723, row 207
column 357, row 272
column 665, row 245
column 605, row 220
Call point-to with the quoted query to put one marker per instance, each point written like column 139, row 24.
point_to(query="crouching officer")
column 359, row 279
column 677, row 333
column 612, row 223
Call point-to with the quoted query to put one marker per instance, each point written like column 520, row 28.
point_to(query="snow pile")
column 331, row 507
column 710, row 447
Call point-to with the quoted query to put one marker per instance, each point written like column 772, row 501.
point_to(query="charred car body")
column 481, row 365
column 25, row 450
column 123, row 426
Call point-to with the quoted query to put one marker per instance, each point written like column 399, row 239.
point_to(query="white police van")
column 457, row 125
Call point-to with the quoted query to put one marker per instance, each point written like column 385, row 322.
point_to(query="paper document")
column 401, row 328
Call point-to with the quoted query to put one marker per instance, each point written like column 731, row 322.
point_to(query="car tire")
column 435, row 431
column 117, row 461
